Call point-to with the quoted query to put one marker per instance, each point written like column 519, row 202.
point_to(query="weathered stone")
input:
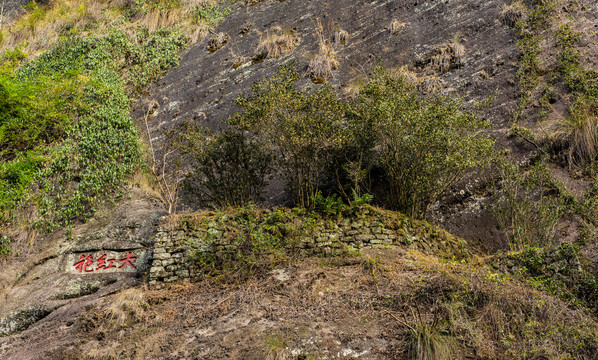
column 157, row 269
column 163, row 256
column 183, row 273
column 364, row 237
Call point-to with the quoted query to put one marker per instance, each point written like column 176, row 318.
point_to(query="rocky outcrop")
column 111, row 252
column 459, row 47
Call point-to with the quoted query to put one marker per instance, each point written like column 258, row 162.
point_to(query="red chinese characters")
column 85, row 263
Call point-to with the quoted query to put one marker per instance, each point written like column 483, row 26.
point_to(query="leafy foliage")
column 528, row 205
column 74, row 142
column 560, row 271
column 229, row 169
column 423, row 145
column 5, row 249
column 305, row 129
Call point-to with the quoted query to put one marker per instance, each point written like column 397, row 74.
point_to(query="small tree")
column 424, row 145
column 304, row 129
column 229, row 169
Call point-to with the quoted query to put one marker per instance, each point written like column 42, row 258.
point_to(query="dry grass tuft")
column 216, row 41
column 340, row 37
column 447, row 56
column 577, row 134
column 396, row 26
column 430, row 84
column 42, row 25
column 514, row 13
column 324, row 62
column 128, row 306
column 276, row 42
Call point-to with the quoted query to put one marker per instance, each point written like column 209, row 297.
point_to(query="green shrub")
column 305, row 129
column 528, row 205
column 4, row 246
column 68, row 140
column 560, row 271
column 424, row 145
column 210, row 15
column 328, row 205
column 229, row 169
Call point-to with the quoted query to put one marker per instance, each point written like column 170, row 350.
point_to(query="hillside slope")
column 318, row 282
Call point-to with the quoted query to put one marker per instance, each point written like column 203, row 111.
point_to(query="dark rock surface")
column 204, row 87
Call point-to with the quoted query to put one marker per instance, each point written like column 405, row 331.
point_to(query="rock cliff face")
column 393, row 33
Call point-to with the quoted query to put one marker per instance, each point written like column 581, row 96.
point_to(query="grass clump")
column 528, row 205
column 324, row 62
column 577, row 135
column 276, row 42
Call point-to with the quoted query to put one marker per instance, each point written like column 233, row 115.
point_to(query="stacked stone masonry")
column 178, row 238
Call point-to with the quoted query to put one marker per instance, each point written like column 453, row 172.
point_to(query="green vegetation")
column 74, row 142
column 559, row 271
column 305, row 130
column 229, row 169
column 5, row 249
column 426, row 145
column 319, row 140
column 528, row 204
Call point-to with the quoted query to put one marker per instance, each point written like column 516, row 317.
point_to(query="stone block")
column 183, row 273
column 364, row 237
column 156, row 269
column 163, row 256
column 167, row 262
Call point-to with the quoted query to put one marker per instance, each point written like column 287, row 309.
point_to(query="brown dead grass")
column 42, row 26
column 577, row 133
column 514, row 13
column 322, row 64
column 446, row 57
column 396, row 26
column 330, row 305
column 277, row 41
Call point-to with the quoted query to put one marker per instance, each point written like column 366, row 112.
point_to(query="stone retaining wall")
column 183, row 239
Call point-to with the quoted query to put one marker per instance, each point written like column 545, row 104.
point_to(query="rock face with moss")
column 189, row 247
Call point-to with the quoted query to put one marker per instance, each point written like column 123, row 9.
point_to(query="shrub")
column 74, row 143
column 426, row 339
column 424, row 145
column 577, row 134
column 528, row 205
column 230, row 170
column 306, row 130
column 5, row 249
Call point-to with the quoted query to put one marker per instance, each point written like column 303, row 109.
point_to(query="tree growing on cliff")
column 423, row 145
